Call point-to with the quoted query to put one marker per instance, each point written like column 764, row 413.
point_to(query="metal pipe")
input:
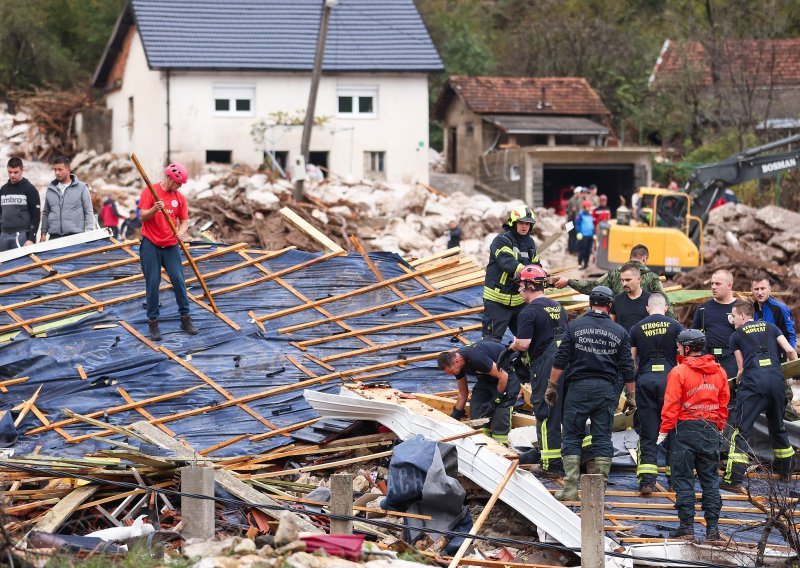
column 169, row 125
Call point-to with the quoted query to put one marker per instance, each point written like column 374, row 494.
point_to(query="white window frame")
column 233, row 93
column 357, row 93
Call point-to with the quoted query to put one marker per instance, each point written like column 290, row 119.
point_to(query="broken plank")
column 309, row 230
column 227, row 481
column 56, row 516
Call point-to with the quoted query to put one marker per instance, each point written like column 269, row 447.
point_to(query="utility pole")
column 327, row 6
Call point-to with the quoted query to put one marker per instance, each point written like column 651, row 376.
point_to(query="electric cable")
column 376, row 522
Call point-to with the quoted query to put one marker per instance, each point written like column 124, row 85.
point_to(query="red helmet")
column 177, row 172
column 534, row 274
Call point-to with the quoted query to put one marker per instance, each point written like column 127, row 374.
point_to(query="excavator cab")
column 662, row 221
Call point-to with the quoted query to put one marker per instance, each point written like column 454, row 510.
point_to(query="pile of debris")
column 46, row 127
column 746, row 240
column 239, row 204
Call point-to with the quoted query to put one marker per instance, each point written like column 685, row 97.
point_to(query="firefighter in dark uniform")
column 539, row 330
column 598, row 353
column 654, row 348
column 713, row 319
column 757, row 346
column 510, row 252
column 495, row 390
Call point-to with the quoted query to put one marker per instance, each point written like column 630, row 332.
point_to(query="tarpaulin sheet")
column 244, row 362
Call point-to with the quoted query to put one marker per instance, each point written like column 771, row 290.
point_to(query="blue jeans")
column 694, row 446
column 153, row 258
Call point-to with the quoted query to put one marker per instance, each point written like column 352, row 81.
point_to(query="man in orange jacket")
column 694, row 412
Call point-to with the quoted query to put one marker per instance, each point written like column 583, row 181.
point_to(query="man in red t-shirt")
column 160, row 248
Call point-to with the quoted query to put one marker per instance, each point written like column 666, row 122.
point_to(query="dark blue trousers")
column 497, row 318
column 694, row 446
column 760, row 391
column 650, row 387
column 548, row 420
column 153, row 258
column 589, row 398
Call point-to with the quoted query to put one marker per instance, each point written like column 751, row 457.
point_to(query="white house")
column 188, row 81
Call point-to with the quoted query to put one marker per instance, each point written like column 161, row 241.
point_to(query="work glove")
column 661, row 437
column 630, row 403
column 551, row 394
column 458, row 413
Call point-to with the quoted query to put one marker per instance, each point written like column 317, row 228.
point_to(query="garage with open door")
column 613, row 180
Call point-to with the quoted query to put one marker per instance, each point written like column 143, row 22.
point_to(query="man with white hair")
column 654, row 349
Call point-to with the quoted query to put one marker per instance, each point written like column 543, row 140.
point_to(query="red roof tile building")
column 534, row 137
column 752, row 80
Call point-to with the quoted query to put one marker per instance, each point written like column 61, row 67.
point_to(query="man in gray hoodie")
column 67, row 206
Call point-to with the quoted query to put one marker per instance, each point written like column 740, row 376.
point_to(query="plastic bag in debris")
column 422, row 481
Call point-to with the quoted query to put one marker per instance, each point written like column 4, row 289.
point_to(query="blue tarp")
column 242, row 362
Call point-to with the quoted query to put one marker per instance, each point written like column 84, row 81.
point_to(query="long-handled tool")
column 175, row 232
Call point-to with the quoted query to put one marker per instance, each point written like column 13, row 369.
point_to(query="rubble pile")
column 44, row 128
column 238, row 204
column 746, row 240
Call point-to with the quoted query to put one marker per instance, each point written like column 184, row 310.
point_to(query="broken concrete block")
column 288, row 530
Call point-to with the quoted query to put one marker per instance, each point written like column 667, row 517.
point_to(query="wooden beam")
column 385, row 306
column 309, row 230
column 56, row 516
column 402, row 342
column 300, row 296
column 352, row 293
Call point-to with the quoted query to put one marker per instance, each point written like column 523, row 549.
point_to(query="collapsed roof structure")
column 78, row 369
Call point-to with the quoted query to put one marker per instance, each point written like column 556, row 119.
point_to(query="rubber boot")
column 685, row 531
column 590, row 466
column 712, row 533
column 554, row 471
column 187, row 325
column 603, row 465
column 572, row 467
column 155, row 334
column 647, row 482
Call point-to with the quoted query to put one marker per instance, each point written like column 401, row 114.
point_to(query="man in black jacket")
column 20, row 209
column 598, row 354
column 510, row 252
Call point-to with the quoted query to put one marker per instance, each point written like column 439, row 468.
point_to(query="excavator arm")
column 711, row 180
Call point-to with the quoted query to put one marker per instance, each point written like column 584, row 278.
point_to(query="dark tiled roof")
column 523, row 95
column 279, row 35
column 759, row 62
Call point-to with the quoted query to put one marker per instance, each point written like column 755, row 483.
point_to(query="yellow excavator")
column 671, row 223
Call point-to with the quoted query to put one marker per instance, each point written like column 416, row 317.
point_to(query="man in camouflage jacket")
column 650, row 280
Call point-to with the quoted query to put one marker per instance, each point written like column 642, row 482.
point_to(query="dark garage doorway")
column 613, row 180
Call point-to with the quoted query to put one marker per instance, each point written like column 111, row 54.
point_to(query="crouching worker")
column 695, row 410
column 159, row 248
column 495, row 390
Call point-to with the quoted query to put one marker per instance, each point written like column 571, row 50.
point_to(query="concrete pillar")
column 341, row 502
column 551, row 139
column 592, row 533
column 197, row 514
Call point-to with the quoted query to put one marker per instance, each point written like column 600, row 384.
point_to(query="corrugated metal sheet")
column 517, row 124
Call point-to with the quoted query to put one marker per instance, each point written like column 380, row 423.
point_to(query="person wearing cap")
column 694, row 413
column 597, row 353
column 159, row 247
column 509, row 253
column 592, row 196
column 584, row 232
